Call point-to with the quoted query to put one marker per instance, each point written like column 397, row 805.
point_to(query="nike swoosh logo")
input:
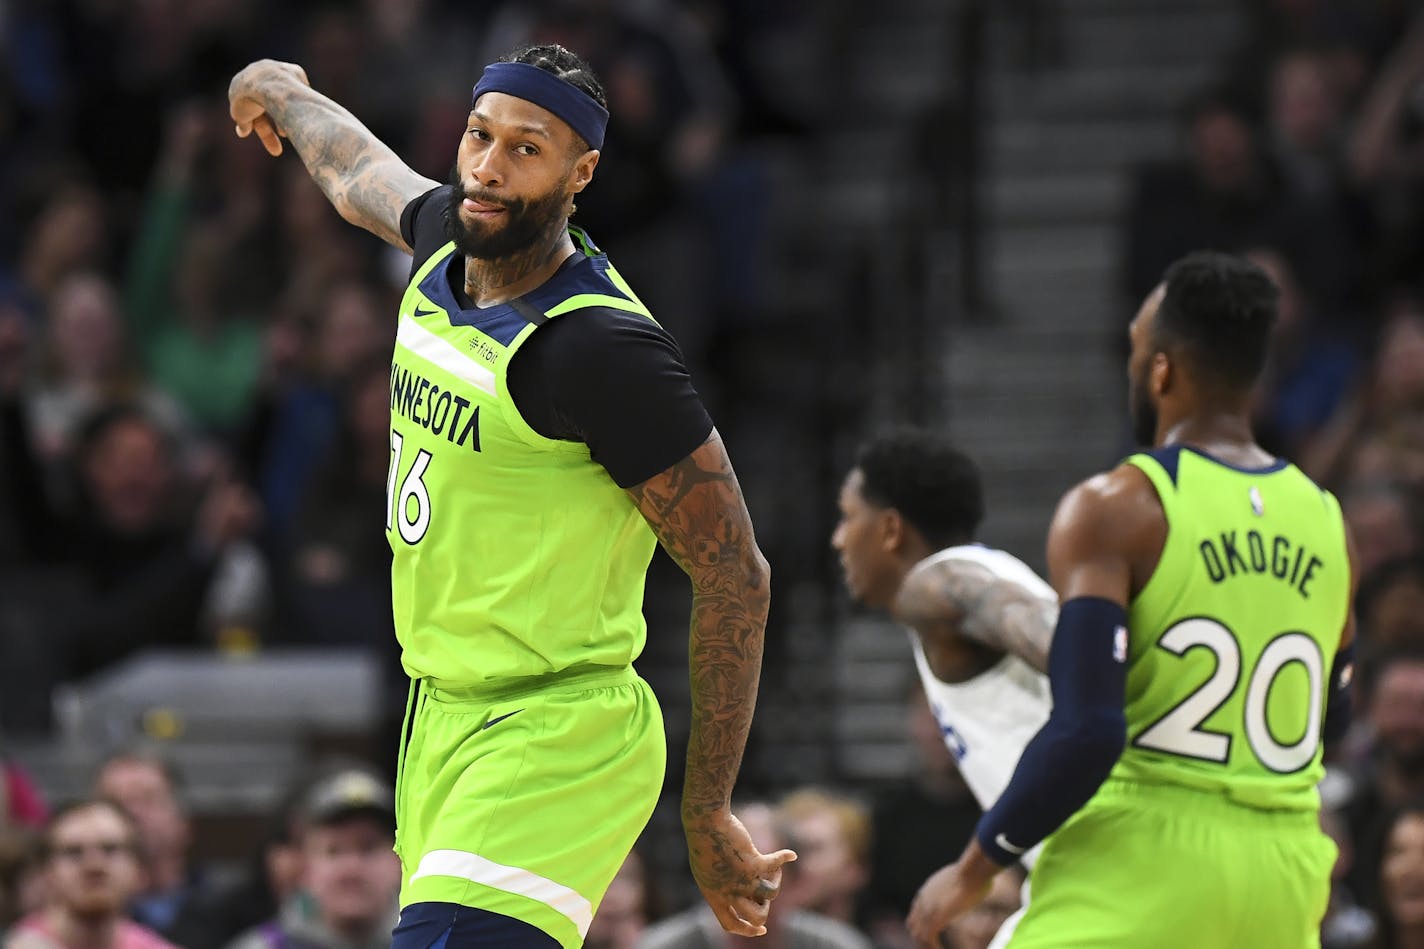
column 1003, row 841
column 420, row 312
column 496, row 721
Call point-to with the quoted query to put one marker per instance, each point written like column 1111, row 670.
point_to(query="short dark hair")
column 1221, row 308
column 64, row 811
column 568, row 66
column 144, row 753
column 934, row 486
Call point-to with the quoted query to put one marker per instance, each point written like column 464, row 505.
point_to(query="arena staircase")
column 1034, row 385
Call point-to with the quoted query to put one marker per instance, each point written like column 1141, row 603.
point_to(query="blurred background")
column 939, row 211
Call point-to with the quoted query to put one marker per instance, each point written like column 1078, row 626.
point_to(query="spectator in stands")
column 1311, row 367
column 1376, row 433
column 1390, row 607
column 93, row 870
column 830, row 833
column 1400, row 872
column 1223, row 195
column 273, row 876
column 1395, row 775
column 1305, row 129
column 789, row 925
column 1384, row 522
column 633, row 902
column 23, row 886
column 88, row 367
column 976, row 929
column 1386, row 156
column 67, row 236
column 351, row 876
column 148, row 787
column 146, row 564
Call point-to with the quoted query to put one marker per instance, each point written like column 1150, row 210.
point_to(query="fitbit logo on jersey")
column 1226, row 556
column 438, row 411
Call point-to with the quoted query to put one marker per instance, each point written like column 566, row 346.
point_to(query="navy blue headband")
column 532, row 84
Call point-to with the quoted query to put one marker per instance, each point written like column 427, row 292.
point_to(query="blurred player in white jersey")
column 980, row 619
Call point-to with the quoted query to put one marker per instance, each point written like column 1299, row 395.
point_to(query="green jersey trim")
column 580, row 301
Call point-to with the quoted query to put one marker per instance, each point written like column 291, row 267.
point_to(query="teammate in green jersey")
column 544, row 437
column 1204, row 627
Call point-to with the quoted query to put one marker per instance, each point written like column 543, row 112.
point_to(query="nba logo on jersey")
column 1258, row 507
column 1120, row 644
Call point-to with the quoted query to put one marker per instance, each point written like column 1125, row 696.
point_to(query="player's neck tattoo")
column 486, row 279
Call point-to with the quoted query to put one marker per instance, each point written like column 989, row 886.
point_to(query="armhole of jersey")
column 1337, row 517
column 1166, row 487
column 441, row 255
column 515, row 418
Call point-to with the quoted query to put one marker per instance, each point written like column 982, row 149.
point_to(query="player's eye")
column 478, row 133
column 526, row 149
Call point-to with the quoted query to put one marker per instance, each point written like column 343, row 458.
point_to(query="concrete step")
column 1026, row 146
column 1100, row 91
column 1025, row 251
column 1091, row 197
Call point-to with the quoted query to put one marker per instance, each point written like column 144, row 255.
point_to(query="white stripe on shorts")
column 469, row 866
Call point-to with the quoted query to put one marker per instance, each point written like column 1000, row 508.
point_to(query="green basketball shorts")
column 1167, row 867
column 526, row 802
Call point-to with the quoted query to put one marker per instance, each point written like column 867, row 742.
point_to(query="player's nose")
column 488, row 169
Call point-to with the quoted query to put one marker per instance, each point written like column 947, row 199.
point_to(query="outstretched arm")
column 365, row 181
column 952, row 597
column 698, row 513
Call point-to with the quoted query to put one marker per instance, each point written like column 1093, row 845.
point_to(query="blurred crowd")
column 194, row 396
column 122, row 866
column 1308, row 156
column 194, row 348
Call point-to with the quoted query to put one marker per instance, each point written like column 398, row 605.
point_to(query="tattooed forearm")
column 698, row 513
column 972, row 601
column 365, row 181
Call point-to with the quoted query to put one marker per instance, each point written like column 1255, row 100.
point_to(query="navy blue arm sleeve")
column 1070, row 757
column 1339, row 703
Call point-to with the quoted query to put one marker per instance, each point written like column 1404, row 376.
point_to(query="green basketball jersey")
column 1231, row 642
column 514, row 554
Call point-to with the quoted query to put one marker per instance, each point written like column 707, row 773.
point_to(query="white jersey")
column 987, row 720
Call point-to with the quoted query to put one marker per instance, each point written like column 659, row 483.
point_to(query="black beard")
column 525, row 223
column 1144, row 416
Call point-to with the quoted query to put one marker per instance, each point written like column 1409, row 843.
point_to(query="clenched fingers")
column 733, row 922
column 266, row 130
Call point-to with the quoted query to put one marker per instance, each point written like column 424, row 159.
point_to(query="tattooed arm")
column 948, row 598
column 698, row 513
column 367, row 182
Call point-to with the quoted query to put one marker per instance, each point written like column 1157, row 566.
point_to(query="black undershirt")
column 613, row 380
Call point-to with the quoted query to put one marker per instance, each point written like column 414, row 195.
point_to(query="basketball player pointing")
column 544, row 437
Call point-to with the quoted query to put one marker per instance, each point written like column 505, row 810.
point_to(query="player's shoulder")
column 422, row 224
column 1117, row 509
column 1125, row 490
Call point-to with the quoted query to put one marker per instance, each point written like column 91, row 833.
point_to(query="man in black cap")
column 351, row 876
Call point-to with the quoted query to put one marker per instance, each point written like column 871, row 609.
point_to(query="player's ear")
column 1160, row 375
column 582, row 172
column 892, row 530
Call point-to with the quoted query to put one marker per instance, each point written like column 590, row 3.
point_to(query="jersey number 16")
column 408, row 509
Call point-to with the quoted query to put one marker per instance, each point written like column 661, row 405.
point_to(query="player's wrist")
column 978, row 866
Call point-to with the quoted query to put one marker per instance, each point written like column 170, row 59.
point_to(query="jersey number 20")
column 408, row 509
column 1179, row 732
